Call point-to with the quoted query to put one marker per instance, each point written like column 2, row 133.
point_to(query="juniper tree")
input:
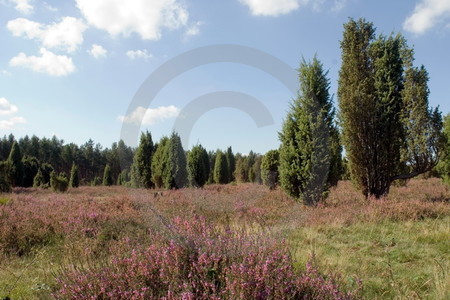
column 221, row 168
column 74, row 176
column 5, row 181
column 231, row 164
column 30, row 169
column 198, row 166
column 389, row 132
column 269, row 168
column 15, row 165
column 176, row 173
column 310, row 149
column 444, row 164
column 38, row 180
column 107, row 176
column 141, row 175
column 160, row 162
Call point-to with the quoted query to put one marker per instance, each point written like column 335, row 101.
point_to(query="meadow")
column 225, row 242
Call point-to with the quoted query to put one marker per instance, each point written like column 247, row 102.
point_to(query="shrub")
column 269, row 168
column 199, row 261
column 107, row 177
column 59, row 183
column 74, row 176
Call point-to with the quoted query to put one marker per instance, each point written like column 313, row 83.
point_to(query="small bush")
column 59, row 183
column 199, row 261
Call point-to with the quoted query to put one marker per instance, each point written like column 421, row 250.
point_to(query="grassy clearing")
column 398, row 247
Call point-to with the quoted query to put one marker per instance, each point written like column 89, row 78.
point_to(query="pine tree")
column 142, row 162
column 269, row 168
column 384, row 110
column 74, row 176
column 221, row 168
column 15, row 165
column 305, row 151
column 107, row 176
column 198, row 166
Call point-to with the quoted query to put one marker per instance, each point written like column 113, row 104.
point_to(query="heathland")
column 225, row 241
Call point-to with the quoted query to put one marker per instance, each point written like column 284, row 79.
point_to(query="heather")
column 240, row 241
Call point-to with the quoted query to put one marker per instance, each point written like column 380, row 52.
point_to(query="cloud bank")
column 150, row 116
column 143, row 17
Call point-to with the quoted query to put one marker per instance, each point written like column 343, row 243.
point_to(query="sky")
column 75, row 68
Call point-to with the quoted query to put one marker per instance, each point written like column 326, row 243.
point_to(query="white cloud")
column 275, row 8
column 123, row 17
column 271, row 7
column 23, row 6
column 8, row 124
column 151, row 116
column 426, row 15
column 66, row 35
column 97, row 51
column 48, row 62
column 194, row 29
column 136, row 54
column 7, row 108
column 5, row 73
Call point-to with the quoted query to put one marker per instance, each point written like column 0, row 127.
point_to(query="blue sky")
column 72, row 68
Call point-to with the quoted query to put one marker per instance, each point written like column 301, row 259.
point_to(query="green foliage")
column 142, row 162
column 212, row 162
column 306, row 138
column 444, row 164
column 269, row 168
column 39, row 180
column 160, row 161
column 422, row 125
column 389, row 132
column 15, row 165
column 249, row 162
column 30, row 169
column 107, row 176
column 5, row 181
column 59, row 183
column 221, row 168
column 97, row 181
column 46, row 169
column 231, row 164
column 198, row 166
column 241, row 172
column 74, row 177
column 176, row 174
column 256, row 169
column 124, row 177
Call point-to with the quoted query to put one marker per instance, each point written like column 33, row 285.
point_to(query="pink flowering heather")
column 195, row 260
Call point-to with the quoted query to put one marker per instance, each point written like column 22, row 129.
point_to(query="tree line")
column 382, row 131
column 49, row 163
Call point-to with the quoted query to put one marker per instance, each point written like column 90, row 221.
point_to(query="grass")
column 398, row 247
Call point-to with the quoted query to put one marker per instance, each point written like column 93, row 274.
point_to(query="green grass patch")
column 395, row 260
column 4, row 200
